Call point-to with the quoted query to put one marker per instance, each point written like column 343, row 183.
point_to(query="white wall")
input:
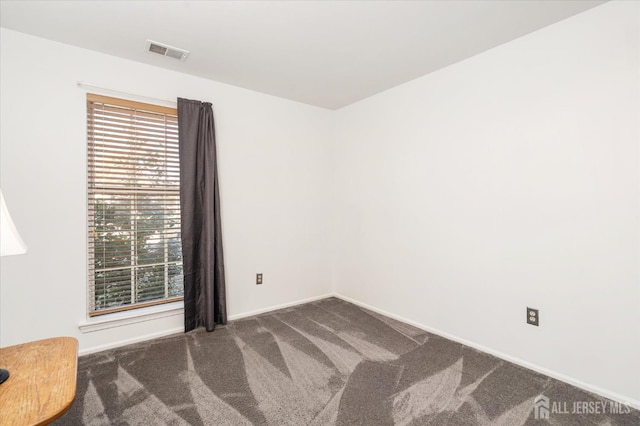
column 508, row 180
column 273, row 157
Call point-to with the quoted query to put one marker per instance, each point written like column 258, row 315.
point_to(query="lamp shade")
column 10, row 241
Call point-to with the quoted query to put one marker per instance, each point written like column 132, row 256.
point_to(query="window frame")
column 92, row 310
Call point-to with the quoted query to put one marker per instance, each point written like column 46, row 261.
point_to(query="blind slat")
column 100, row 147
column 123, row 116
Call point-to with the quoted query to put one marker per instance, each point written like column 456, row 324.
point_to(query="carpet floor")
column 323, row 363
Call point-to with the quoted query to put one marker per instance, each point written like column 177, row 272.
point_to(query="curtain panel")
column 203, row 261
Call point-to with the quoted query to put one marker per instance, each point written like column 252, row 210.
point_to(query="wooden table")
column 42, row 381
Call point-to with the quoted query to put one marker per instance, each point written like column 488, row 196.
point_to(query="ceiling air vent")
column 166, row 50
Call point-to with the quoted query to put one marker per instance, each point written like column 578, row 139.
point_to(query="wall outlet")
column 533, row 317
column 258, row 279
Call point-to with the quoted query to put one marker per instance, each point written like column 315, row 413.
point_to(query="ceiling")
column 324, row 53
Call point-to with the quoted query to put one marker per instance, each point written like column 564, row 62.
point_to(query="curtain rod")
column 118, row 92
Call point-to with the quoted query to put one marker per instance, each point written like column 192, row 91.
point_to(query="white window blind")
column 135, row 254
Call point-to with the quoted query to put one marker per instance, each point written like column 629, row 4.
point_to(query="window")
column 135, row 254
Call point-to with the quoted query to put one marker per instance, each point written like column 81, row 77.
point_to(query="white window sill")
column 121, row 319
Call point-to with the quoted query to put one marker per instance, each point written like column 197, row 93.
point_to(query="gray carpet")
column 323, row 363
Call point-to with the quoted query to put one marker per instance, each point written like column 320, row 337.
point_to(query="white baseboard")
column 559, row 376
column 137, row 339
column 281, row 306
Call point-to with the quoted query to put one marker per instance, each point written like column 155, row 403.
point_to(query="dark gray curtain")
column 204, row 287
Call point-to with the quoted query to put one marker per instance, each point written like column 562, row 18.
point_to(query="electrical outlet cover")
column 533, row 317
